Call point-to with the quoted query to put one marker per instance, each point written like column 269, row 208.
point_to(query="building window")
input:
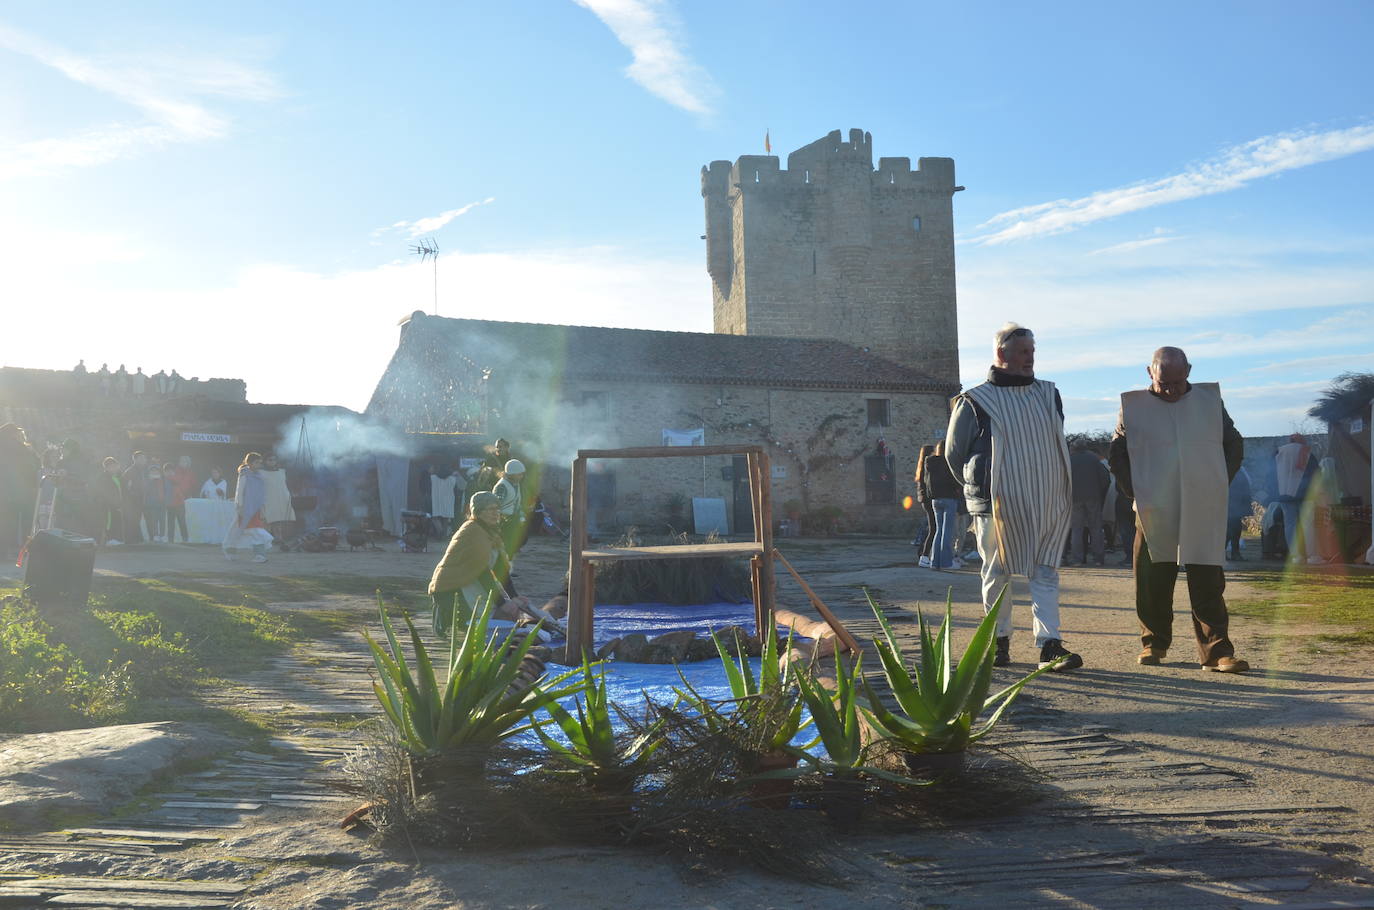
column 916, row 223
column 880, row 481
column 879, row 412
column 596, row 405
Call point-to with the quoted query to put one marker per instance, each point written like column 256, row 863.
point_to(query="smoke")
column 334, row 441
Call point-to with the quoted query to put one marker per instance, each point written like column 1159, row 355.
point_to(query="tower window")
column 916, row 223
column 879, row 412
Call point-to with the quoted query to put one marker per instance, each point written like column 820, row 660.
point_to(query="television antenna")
column 429, row 249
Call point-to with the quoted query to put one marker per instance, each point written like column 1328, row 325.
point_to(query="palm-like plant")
column 607, row 760
column 839, row 728
column 940, row 700
column 770, row 702
column 482, row 702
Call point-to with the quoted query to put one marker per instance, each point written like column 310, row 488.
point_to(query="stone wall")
column 815, row 438
column 832, row 247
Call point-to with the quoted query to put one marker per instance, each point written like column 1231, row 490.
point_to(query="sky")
column 233, row 190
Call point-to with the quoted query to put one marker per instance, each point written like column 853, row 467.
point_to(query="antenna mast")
column 429, row 249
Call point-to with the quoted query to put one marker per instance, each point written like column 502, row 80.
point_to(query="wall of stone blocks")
column 783, row 420
column 827, row 248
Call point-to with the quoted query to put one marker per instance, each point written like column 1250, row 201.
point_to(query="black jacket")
column 968, row 442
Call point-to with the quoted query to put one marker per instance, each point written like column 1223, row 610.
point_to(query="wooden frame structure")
column 582, row 559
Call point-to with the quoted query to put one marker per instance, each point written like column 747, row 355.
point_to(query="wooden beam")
column 578, row 606
column 666, row 452
column 587, row 629
column 769, row 582
column 851, row 644
column 675, row 551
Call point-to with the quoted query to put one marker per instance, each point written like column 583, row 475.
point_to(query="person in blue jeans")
column 945, row 494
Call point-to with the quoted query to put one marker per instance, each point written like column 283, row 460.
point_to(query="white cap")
column 514, row 467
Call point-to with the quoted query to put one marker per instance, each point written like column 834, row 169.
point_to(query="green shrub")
column 42, row 683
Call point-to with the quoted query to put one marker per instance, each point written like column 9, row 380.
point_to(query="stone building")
column 835, row 346
column 833, row 248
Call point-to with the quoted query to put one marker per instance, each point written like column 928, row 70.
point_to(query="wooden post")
column 579, row 608
column 755, row 576
column 767, row 580
column 850, row 642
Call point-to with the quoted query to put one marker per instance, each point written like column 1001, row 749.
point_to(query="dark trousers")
column 1233, row 529
column 176, row 519
column 451, row 610
column 1086, row 516
column 928, row 544
column 133, row 517
column 1154, row 604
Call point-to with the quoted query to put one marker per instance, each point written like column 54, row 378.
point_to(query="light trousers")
column 1044, row 588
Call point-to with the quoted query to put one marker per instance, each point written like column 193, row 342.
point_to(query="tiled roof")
column 597, row 353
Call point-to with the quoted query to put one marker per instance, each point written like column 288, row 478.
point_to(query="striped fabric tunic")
column 1030, row 474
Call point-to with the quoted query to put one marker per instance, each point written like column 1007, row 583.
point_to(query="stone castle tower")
column 832, row 248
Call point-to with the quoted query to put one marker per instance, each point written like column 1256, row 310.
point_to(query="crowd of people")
column 117, row 503
column 120, row 383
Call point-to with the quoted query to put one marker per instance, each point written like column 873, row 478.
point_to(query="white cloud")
column 661, row 64
column 1230, row 170
column 1160, row 235
column 432, row 223
column 168, row 91
column 1327, row 363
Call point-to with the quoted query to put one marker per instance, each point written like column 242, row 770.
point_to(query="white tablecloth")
column 207, row 520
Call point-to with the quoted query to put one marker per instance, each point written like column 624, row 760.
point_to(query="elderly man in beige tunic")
column 1175, row 450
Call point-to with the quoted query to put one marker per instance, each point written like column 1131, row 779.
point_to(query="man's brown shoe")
column 1227, row 665
column 1151, row 657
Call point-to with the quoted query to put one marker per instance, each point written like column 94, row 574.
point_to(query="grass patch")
column 139, row 646
column 1329, row 597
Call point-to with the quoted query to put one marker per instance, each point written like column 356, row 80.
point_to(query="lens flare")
column 906, row 503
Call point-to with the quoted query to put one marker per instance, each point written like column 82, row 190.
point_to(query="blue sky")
column 231, row 190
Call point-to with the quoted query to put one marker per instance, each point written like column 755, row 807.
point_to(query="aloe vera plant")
column 480, row 703
column 607, row 760
column 940, row 701
column 839, row 729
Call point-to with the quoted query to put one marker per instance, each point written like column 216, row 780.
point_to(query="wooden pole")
column 578, row 605
column 768, row 581
column 851, row 644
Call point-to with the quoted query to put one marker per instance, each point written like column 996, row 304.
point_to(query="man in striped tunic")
column 1006, row 441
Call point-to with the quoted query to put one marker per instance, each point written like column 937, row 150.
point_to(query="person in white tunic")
column 1175, row 450
column 1006, row 442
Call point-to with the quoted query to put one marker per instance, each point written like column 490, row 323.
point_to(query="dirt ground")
column 1274, row 766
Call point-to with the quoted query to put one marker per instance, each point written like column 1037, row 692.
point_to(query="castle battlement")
column 816, row 164
column 833, row 247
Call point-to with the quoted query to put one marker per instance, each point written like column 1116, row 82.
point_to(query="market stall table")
column 208, row 520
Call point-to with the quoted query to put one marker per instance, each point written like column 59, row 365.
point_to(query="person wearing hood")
column 249, row 527
column 514, row 508
column 474, row 566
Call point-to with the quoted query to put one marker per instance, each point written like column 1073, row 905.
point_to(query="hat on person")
column 483, row 500
column 515, row 467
